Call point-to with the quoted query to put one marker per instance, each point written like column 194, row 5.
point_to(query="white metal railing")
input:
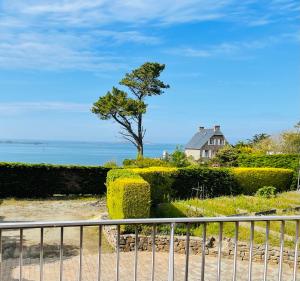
column 154, row 222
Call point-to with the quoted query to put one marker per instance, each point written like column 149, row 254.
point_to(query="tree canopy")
column 128, row 109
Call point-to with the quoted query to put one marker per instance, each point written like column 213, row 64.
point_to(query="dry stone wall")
column 162, row 242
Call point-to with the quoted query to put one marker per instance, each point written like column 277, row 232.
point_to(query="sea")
column 74, row 152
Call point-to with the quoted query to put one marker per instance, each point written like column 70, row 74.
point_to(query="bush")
column 178, row 158
column 215, row 181
column 42, row 180
column 114, row 174
column 266, row 192
column 161, row 180
column 127, row 196
column 145, row 163
column 287, row 161
column 252, row 179
column 110, row 164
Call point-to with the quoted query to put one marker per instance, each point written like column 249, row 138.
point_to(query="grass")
column 229, row 205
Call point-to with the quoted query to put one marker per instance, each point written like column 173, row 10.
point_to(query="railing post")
column 0, row 254
column 21, row 255
column 80, row 252
column 118, row 254
column 42, row 254
column 99, row 251
column 281, row 250
column 153, row 252
column 251, row 251
column 171, row 254
column 266, row 251
column 203, row 252
column 136, row 245
column 61, row 253
column 187, row 253
column 296, row 252
column 236, row 239
column 220, row 251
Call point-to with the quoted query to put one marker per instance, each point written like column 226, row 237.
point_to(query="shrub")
column 145, row 163
column 266, row 192
column 287, row 161
column 178, row 158
column 227, row 156
column 215, row 181
column 114, row 174
column 251, row 179
column 161, row 180
column 42, row 180
column 128, row 195
column 110, row 164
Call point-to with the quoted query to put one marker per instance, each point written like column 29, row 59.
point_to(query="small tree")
column 127, row 110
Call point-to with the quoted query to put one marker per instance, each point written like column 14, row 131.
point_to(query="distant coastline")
column 74, row 152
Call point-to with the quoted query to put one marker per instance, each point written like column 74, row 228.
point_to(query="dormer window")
column 211, row 141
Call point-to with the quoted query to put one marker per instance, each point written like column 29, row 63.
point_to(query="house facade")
column 205, row 143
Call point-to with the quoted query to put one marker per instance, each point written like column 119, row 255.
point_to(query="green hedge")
column 145, row 163
column 42, row 180
column 214, row 181
column 161, row 180
column 132, row 192
column 128, row 195
column 252, row 179
column 287, row 161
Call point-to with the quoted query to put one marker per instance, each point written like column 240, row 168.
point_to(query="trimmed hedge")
column 145, row 163
column 128, row 195
column 161, row 180
column 215, row 181
column 287, row 161
column 132, row 192
column 43, row 180
column 252, row 179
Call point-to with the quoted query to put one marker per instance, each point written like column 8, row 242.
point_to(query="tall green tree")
column 128, row 109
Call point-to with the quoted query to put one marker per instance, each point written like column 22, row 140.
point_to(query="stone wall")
column 162, row 242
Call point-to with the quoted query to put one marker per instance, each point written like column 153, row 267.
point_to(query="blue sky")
column 234, row 63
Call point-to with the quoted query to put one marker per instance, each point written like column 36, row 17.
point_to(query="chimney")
column 201, row 128
column 217, row 128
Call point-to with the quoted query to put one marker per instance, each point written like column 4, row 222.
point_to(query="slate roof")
column 201, row 137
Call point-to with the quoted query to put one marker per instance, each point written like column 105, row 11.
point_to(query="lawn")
column 284, row 204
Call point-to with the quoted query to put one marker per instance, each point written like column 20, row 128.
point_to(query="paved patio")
column 71, row 265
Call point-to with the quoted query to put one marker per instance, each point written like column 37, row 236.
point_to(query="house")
column 205, row 143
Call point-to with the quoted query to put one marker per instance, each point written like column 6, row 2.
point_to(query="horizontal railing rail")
column 154, row 222
column 38, row 224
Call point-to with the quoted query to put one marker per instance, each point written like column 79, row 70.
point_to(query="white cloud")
column 233, row 49
column 16, row 108
column 76, row 34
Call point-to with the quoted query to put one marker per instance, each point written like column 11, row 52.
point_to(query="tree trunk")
column 140, row 148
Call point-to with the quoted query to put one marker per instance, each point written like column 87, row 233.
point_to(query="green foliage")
column 266, row 192
column 178, row 158
column 145, row 162
column 128, row 195
column 127, row 110
column 288, row 161
column 290, row 142
column 227, row 156
column 110, row 164
column 114, row 174
column 258, row 138
column 41, row 180
column 215, row 181
column 252, row 179
column 161, row 180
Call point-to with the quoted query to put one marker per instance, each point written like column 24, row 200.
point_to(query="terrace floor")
column 71, row 265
